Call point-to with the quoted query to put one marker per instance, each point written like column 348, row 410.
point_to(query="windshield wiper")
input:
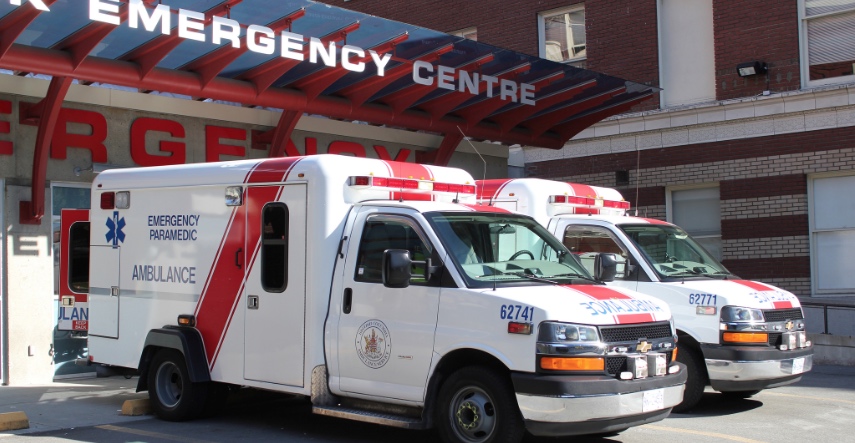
column 575, row 275
column 532, row 277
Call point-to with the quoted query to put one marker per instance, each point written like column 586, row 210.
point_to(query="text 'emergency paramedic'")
column 175, row 221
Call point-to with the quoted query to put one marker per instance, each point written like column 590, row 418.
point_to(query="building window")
column 698, row 212
column 561, row 33
column 832, row 233
column 468, row 33
column 828, row 41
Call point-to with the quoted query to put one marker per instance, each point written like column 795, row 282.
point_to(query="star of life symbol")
column 114, row 229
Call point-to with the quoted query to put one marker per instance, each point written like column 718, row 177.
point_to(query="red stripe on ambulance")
column 763, row 288
column 490, row 189
column 603, row 293
column 413, row 171
column 226, row 281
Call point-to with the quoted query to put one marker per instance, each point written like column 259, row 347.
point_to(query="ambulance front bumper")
column 561, row 405
column 745, row 368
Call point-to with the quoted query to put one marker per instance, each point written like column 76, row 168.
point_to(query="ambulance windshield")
column 673, row 253
column 494, row 249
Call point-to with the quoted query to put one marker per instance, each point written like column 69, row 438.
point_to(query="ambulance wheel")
column 739, row 395
column 477, row 405
column 173, row 396
column 697, row 377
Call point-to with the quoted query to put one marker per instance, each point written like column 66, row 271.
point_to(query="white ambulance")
column 378, row 289
column 738, row 336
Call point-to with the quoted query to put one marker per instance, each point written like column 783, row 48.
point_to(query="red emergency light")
column 411, row 185
column 588, row 205
column 108, row 200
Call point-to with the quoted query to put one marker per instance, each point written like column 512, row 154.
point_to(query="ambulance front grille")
column 777, row 315
column 616, row 365
column 623, row 334
column 774, row 339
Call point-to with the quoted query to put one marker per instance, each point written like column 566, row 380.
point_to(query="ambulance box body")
column 738, row 336
column 365, row 285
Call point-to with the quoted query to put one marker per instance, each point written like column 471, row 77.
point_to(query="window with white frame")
column 561, row 33
column 827, row 41
column 698, row 212
column 468, row 33
column 832, row 233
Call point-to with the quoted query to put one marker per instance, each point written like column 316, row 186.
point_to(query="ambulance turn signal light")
column 515, row 327
column 187, row 320
column 745, row 337
column 572, row 364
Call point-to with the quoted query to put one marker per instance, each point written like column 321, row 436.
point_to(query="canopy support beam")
column 46, row 113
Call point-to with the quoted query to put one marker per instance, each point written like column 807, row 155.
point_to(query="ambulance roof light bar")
column 588, row 202
column 410, row 185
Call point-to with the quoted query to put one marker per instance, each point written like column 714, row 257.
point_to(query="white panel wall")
column 686, row 52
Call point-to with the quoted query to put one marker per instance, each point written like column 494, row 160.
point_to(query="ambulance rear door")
column 74, row 271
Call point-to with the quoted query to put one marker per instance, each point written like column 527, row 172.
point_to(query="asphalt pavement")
column 820, row 407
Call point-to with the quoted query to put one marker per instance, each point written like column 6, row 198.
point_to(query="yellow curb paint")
column 151, row 434
column 705, row 434
column 136, row 407
column 11, row 421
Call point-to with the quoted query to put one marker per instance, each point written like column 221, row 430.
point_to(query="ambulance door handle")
column 237, row 258
column 252, row 302
column 348, row 298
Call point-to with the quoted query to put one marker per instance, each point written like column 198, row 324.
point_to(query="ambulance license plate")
column 798, row 365
column 653, row 400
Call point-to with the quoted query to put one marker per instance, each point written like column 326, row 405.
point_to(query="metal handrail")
column 825, row 306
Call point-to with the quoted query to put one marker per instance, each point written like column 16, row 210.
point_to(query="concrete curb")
column 833, row 349
column 139, row 406
column 11, row 421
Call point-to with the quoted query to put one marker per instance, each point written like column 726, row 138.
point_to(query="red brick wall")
column 507, row 25
column 623, row 41
column 764, row 30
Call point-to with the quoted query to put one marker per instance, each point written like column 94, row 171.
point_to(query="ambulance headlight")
column 736, row 314
column 553, row 332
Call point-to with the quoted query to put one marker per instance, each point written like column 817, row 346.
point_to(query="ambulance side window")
column 588, row 241
column 274, row 247
column 388, row 232
column 78, row 257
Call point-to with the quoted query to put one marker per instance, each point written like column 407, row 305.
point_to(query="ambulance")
column 739, row 336
column 378, row 289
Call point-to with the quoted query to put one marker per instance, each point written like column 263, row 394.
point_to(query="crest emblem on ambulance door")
column 373, row 344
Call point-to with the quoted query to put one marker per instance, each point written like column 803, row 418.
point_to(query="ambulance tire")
column 696, row 378
column 172, row 395
column 477, row 405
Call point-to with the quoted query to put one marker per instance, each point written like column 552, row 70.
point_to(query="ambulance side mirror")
column 397, row 268
column 605, row 267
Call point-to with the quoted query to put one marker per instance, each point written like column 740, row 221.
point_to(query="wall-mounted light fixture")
column 95, row 168
column 751, row 68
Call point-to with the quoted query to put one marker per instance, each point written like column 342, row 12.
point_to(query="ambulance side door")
column 385, row 335
column 275, row 292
